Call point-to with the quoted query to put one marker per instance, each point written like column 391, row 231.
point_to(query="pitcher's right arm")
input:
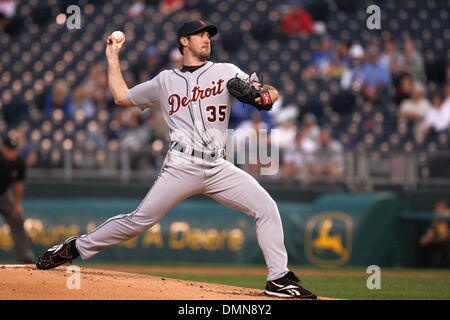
column 116, row 82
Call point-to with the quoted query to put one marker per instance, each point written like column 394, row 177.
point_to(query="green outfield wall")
column 331, row 230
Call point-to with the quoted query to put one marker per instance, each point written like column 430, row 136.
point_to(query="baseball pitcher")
column 195, row 100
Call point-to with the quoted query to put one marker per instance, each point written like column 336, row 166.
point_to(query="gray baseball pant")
column 183, row 176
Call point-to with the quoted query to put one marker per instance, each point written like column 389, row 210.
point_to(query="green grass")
column 396, row 283
column 342, row 286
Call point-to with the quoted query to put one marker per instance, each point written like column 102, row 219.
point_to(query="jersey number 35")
column 216, row 113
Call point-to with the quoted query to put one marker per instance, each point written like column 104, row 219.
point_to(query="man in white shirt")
column 438, row 117
column 416, row 108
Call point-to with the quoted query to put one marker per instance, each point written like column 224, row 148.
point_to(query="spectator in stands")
column 437, row 118
column 81, row 102
column 59, row 98
column 99, row 100
column 137, row 9
column 287, row 126
column 321, row 59
column 404, row 89
column 327, row 159
column 411, row 62
column 415, row 109
column 309, row 133
column 135, row 136
column 353, row 77
column 96, row 87
column 343, row 53
column 10, row 22
column 297, row 21
column 96, row 79
column 8, row 8
column 433, row 242
column 376, row 76
column 341, row 61
column 95, row 134
column 390, row 57
column 167, row 7
column 349, row 71
column 293, row 161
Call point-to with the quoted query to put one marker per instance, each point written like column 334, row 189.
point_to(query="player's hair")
column 180, row 46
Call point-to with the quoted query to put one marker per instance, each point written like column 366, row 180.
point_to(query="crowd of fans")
column 377, row 72
column 83, row 118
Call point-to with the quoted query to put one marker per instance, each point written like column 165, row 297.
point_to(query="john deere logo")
column 328, row 239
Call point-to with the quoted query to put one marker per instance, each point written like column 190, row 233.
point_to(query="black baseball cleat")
column 58, row 255
column 288, row 286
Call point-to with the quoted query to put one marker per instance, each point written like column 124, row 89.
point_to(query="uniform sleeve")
column 146, row 94
column 236, row 71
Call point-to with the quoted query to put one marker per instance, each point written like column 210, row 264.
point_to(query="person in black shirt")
column 12, row 172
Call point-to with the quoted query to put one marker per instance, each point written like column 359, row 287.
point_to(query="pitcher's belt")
column 209, row 156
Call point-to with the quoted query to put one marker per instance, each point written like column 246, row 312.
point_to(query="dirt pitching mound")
column 26, row 282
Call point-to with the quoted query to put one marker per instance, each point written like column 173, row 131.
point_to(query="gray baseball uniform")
column 196, row 106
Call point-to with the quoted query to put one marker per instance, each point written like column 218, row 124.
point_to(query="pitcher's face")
column 200, row 45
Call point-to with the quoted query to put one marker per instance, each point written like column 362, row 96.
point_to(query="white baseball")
column 118, row 35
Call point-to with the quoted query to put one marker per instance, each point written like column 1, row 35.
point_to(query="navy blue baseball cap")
column 194, row 26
